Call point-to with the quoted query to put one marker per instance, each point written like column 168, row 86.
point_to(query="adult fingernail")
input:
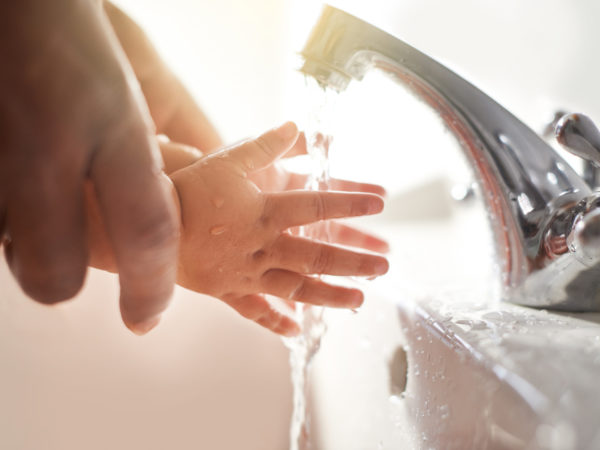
column 287, row 130
column 142, row 328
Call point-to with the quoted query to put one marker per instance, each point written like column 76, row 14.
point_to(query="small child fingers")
column 259, row 153
column 295, row 208
column 298, row 181
column 345, row 235
column 353, row 186
column 260, row 310
column 294, row 286
column 307, row 256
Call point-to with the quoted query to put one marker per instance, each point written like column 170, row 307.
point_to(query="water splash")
column 304, row 347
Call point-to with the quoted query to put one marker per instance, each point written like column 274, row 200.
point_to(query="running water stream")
column 304, row 347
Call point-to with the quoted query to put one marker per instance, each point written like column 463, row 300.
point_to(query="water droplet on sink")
column 444, row 411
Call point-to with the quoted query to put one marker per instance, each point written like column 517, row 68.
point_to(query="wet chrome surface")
column 541, row 211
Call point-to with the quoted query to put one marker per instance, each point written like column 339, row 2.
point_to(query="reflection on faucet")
column 578, row 134
column 544, row 218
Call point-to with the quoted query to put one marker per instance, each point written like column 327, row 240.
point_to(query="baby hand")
column 275, row 178
column 235, row 239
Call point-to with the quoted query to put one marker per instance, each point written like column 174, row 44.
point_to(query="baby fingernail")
column 355, row 299
column 381, row 266
column 375, row 205
column 287, row 130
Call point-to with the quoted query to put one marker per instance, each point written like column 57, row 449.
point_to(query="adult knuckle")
column 38, row 161
column 116, row 110
column 110, row 91
column 155, row 231
column 121, row 124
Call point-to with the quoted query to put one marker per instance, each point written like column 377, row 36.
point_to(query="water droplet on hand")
column 217, row 229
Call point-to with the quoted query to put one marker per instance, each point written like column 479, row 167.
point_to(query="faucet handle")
column 580, row 136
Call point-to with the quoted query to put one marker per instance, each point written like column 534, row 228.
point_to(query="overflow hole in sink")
column 398, row 367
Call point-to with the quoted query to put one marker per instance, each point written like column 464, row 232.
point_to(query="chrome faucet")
column 545, row 218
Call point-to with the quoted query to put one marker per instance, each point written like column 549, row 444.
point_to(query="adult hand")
column 71, row 111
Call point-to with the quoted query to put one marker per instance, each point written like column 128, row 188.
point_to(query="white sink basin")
column 479, row 373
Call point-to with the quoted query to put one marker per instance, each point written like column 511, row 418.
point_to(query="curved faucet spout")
column 538, row 205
